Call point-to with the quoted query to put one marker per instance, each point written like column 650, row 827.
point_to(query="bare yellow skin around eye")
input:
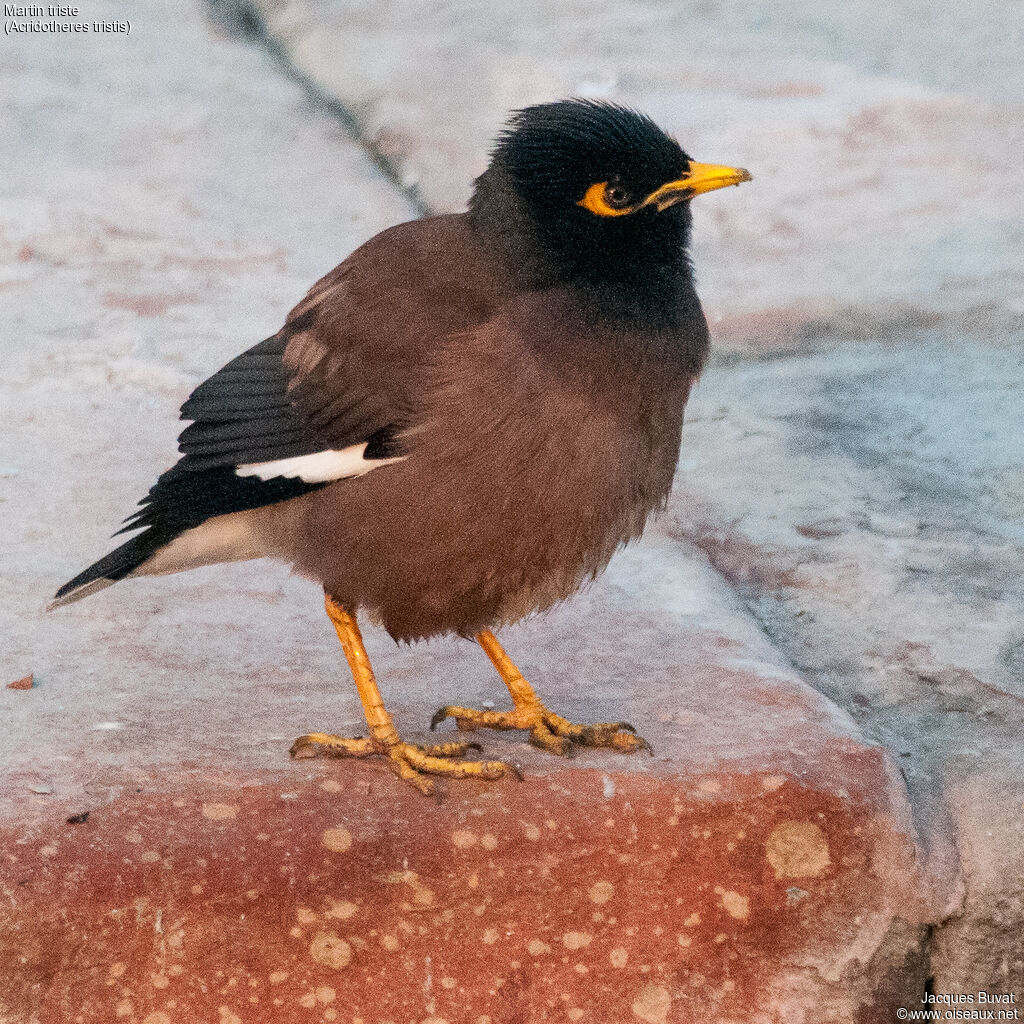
column 594, row 201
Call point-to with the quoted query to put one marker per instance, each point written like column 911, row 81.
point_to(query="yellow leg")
column 548, row 731
column 407, row 760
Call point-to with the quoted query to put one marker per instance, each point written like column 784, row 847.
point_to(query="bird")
column 459, row 425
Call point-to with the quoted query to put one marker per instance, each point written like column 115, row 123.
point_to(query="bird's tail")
column 121, row 562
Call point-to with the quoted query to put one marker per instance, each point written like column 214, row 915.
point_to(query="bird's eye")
column 608, row 199
column 617, row 197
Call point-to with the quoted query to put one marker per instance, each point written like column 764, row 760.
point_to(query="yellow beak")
column 701, row 178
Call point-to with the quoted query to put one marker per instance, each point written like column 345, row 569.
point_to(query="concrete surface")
column 821, row 639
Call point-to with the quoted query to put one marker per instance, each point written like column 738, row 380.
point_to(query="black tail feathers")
column 121, row 562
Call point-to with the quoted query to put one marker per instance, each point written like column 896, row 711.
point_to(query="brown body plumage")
column 542, row 438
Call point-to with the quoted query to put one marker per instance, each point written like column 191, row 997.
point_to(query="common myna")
column 461, row 423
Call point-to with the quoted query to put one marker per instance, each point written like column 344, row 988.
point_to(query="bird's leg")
column 407, row 760
column 548, row 731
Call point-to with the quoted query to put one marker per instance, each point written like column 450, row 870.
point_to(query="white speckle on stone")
column 735, row 904
column 220, row 812
column 797, row 849
column 576, row 940
column 330, row 950
column 337, row 840
column 340, row 909
column 652, row 1004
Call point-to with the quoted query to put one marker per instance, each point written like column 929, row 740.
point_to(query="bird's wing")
column 331, row 395
column 288, row 416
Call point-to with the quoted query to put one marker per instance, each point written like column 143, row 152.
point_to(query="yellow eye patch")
column 595, row 200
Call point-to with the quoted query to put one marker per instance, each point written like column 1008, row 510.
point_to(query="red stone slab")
column 577, row 896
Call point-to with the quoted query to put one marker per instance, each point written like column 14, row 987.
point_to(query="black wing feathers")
column 253, row 410
column 244, row 413
column 259, row 408
column 183, row 498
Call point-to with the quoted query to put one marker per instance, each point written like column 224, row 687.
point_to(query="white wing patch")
column 318, row 468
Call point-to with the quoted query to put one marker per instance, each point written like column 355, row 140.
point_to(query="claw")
column 409, row 761
column 548, row 731
column 313, row 744
column 544, row 739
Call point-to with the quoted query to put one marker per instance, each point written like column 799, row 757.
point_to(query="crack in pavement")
column 243, row 20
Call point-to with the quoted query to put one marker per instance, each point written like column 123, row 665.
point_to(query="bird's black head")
column 605, row 190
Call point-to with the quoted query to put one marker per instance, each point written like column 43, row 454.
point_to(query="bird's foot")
column 549, row 731
column 409, row 761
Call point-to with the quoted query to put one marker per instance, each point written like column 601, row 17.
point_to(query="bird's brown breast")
column 543, row 442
